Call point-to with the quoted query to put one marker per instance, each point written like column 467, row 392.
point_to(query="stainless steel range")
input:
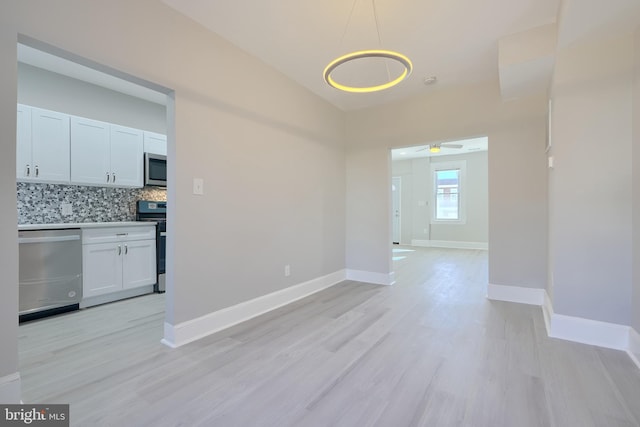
column 147, row 210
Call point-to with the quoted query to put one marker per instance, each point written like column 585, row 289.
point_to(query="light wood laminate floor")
column 429, row 351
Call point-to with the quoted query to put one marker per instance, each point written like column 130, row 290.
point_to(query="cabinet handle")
column 28, row 170
column 119, row 250
column 126, row 249
column 37, row 171
column 108, row 176
column 114, row 177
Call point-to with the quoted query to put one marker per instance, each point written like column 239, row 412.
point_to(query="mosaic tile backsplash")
column 41, row 203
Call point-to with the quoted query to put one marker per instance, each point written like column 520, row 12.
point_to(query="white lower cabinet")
column 117, row 259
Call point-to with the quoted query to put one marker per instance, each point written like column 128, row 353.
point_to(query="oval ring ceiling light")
column 398, row 57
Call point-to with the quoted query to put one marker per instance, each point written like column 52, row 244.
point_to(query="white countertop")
column 59, row 226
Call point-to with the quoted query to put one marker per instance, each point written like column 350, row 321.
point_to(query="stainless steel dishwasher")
column 50, row 272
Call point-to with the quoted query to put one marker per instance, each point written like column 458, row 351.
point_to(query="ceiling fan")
column 435, row 148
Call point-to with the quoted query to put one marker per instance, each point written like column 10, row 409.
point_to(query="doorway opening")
column 51, row 79
column 440, row 194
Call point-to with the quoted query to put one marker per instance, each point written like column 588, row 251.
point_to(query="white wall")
column 517, row 182
column 591, row 180
column 52, row 91
column 271, row 154
column 416, row 215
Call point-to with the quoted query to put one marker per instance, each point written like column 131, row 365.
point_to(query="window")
column 448, row 192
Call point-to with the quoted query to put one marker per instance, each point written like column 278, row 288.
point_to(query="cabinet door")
column 101, row 268
column 90, row 152
column 139, row 263
column 155, row 143
column 23, row 143
column 50, row 146
column 126, row 156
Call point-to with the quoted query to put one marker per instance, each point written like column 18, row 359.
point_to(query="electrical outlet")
column 287, row 270
column 66, row 208
column 198, row 186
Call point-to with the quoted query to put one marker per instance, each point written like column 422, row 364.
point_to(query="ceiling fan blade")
column 422, row 149
column 452, row 145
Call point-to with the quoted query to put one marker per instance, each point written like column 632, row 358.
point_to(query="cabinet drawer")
column 119, row 234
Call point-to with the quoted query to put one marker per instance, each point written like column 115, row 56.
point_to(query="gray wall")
column 518, row 204
column 8, row 219
column 419, row 188
column 591, row 180
column 635, row 317
column 517, row 174
column 52, row 91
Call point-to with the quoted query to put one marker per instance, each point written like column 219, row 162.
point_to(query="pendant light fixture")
column 404, row 61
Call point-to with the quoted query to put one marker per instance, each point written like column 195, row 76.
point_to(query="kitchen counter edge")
column 61, row 226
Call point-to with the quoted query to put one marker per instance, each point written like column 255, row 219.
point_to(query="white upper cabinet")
column 42, row 145
column 90, row 152
column 23, row 147
column 155, row 143
column 126, row 156
column 105, row 154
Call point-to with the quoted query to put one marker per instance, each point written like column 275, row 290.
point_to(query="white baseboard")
column 585, row 331
column 517, row 294
column 10, row 388
column 634, row 346
column 450, row 244
column 192, row 330
column 570, row 328
column 371, row 277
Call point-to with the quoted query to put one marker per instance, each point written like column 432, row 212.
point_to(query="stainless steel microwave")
column 155, row 169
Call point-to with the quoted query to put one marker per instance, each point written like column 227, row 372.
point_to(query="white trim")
column 577, row 329
column 634, row 346
column 371, row 277
column 10, row 386
column 587, row 331
column 192, row 330
column 450, row 244
column 547, row 311
column 518, row 294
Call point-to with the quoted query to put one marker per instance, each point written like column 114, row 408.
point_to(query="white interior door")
column 396, row 183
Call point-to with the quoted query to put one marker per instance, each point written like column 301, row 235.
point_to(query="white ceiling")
column 458, row 41
column 455, row 40
column 471, row 145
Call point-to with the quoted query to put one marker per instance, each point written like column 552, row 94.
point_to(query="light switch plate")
column 198, row 186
